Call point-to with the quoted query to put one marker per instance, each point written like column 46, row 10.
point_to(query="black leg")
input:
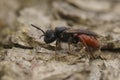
column 69, row 42
column 58, row 44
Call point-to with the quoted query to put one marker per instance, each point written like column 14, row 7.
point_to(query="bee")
column 71, row 36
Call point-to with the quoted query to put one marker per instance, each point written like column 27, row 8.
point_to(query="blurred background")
column 18, row 38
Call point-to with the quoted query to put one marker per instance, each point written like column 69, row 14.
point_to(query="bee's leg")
column 87, row 48
column 56, row 48
column 58, row 44
column 69, row 42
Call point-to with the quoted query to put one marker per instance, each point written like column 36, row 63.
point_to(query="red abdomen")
column 89, row 41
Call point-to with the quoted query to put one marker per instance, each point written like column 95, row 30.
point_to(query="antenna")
column 41, row 36
column 38, row 28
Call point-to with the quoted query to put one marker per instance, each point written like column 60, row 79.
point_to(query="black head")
column 49, row 35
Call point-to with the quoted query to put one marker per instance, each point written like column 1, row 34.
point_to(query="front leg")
column 58, row 44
